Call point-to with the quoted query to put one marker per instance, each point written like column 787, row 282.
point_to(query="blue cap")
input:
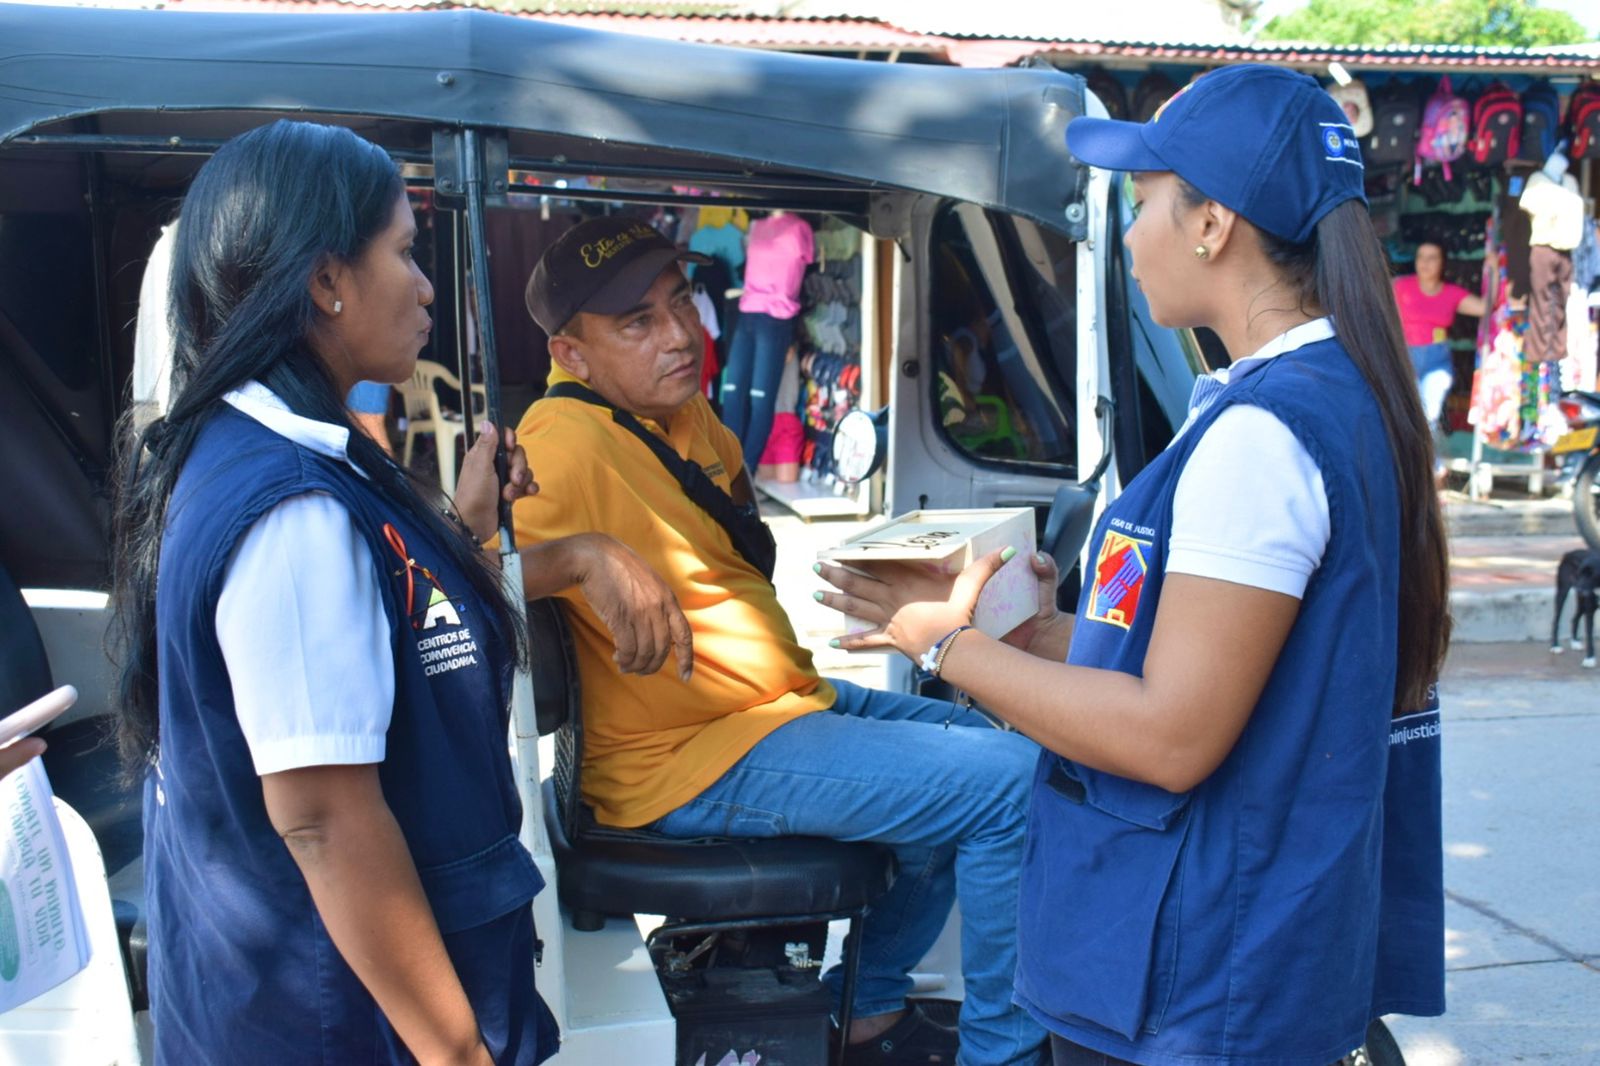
column 1265, row 141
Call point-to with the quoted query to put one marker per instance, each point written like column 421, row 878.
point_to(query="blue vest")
column 241, row 967
column 1296, row 893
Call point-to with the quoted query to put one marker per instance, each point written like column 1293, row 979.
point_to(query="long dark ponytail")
column 1342, row 270
column 1353, row 285
column 260, row 216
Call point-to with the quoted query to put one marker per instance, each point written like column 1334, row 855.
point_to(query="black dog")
column 1579, row 572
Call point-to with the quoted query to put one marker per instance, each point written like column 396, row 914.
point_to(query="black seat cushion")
column 633, row 872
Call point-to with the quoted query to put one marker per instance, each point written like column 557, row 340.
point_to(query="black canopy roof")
column 990, row 137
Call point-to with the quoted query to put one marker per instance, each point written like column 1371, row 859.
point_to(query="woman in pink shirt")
column 1428, row 304
column 780, row 249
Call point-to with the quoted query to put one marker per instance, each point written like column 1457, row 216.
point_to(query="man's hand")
column 476, row 496
column 635, row 605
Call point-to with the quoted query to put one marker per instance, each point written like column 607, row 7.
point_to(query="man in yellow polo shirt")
column 753, row 742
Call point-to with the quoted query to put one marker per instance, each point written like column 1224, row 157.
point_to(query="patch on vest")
column 1118, row 579
column 444, row 643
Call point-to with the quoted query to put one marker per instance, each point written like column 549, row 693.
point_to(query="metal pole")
column 478, row 245
column 524, row 722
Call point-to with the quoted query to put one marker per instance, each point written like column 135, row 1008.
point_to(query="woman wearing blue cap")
column 1234, row 850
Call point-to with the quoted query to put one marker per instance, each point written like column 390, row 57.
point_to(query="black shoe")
column 914, row 1040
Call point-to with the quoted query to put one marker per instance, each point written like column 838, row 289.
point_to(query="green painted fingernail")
column 816, row 568
column 1007, row 555
column 817, row 596
column 834, row 643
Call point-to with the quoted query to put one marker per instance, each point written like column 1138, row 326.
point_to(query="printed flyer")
column 42, row 936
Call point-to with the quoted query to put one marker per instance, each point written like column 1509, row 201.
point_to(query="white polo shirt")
column 1250, row 506
column 300, row 619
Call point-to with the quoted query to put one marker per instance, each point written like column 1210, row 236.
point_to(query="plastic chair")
column 425, row 414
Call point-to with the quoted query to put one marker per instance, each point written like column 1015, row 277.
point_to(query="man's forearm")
column 556, row 565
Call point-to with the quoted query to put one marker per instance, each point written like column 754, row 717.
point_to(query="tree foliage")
column 1494, row 23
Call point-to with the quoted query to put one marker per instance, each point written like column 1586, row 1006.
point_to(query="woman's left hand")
column 476, row 501
column 909, row 607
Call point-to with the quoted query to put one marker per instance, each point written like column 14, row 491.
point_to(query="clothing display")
column 781, row 246
column 1550, row 276
column 1555, row 211
column 750, row 380
column 720, row 242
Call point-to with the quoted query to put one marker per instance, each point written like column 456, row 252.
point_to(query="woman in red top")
column 1428, row 304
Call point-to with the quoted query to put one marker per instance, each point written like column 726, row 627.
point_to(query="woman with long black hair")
column 316, row 658
column 1234, row 850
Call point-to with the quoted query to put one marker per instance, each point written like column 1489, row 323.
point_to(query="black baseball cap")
column 1265, row 141
column 602, row 265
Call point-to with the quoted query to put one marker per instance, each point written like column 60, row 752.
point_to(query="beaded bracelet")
column 933, row 658
column 459, row 522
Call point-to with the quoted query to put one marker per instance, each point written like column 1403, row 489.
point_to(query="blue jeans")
column 750, row 380
column 1431, row 364
column 951, row 802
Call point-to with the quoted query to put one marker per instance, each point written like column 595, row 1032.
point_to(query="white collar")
column 1318, row 329
column 262, row 404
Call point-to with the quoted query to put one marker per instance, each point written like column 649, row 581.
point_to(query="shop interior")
column 1498, row 172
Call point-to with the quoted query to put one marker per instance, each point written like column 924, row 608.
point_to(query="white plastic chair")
column 425, row 414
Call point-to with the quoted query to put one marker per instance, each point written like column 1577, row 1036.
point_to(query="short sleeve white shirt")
column 301, row 622
column 1251, row 506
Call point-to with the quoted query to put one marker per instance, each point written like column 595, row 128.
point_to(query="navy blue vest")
column 1296, row 893
column 241, row 968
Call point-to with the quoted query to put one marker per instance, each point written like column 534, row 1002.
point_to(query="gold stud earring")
column 338, row 305
column 1202, row 252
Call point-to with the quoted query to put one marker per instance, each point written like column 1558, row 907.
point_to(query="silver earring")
column 1202, row 252
column 338, row 305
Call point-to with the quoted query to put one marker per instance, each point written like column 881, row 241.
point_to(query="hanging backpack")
column 1541, row 122
column 1584, row 115
column 1152, row 91
column 1395, row 115
column 1105, row 85
column 1496, row 125
column 1446, row 128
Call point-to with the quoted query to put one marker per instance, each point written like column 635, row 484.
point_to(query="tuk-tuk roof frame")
column 989, row 137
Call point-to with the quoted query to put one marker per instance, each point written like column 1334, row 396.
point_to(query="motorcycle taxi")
column 993, row 270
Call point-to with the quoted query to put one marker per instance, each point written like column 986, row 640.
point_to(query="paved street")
column 1522, row 862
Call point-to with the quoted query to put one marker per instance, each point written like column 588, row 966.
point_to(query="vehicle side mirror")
column 1066, row 528
column 860, row 444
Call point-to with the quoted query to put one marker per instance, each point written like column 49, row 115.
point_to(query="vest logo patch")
column 448, row 645
column 1118, row 579
column 440, row 609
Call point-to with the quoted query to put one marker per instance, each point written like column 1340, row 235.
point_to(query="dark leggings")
column 750, row 380
column 1066, row 1053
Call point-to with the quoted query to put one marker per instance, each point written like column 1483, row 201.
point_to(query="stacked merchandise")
column 829, row 346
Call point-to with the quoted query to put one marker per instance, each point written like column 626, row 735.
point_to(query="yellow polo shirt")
column 651, row 744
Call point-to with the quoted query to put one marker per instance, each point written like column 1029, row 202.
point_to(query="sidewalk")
column 1503, row 559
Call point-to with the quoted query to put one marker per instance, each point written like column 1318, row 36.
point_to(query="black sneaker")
column 914, row 1040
